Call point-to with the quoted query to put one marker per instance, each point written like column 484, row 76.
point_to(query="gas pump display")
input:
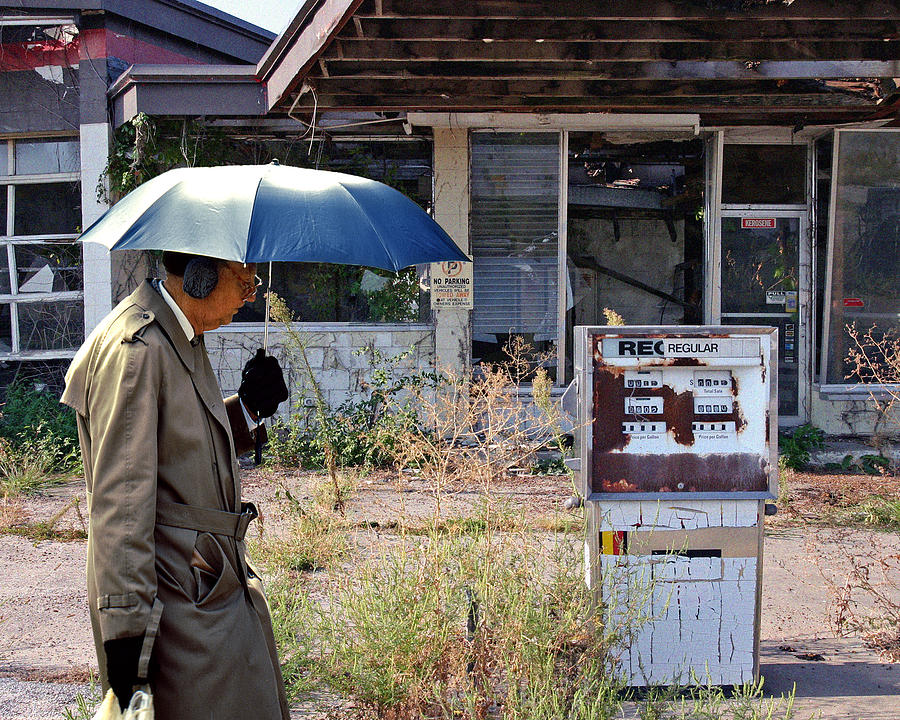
column 677, row 442
column 685, row 413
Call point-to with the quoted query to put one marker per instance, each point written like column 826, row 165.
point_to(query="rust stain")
column 678, row 411
column 609, row 409
column 679, row 472
column 684, row 362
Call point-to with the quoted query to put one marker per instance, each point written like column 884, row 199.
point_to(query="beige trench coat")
column 166, row 556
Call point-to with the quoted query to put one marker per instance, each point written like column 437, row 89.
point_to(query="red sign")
column 853, row 302
column 757, row 223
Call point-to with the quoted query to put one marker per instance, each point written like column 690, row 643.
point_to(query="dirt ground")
column 46, row 651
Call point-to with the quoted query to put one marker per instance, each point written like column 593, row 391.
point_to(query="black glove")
column 122, row 658
column 262, row 385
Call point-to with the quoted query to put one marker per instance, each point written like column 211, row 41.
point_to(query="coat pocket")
column 215, row 578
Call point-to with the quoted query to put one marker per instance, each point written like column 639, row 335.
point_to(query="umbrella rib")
column 374, row 228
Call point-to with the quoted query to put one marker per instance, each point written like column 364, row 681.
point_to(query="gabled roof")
column 733, row 61
column 188, row 20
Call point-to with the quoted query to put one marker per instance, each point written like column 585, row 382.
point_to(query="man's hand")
column 262, row 385
column 122, row 658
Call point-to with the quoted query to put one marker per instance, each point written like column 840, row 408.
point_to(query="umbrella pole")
column 258, row 454
column 268, row 293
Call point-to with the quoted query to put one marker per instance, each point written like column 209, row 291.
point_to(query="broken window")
column 41, row 275
column 764, row 175
column 635, row 230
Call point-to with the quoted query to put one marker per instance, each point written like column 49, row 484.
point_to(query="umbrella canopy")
column 260, row 213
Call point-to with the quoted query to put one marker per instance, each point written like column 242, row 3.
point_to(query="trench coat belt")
column 217, row 522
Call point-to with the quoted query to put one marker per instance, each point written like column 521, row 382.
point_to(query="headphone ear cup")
column 201, row 275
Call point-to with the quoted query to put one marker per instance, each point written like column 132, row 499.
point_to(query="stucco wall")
column 453, row 329
column 852, row 414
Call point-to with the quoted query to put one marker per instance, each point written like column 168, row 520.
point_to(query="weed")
column 315, row 539
column 874, row 464
column 612, row 317
column 85, row 705
column 795, row 448
column 709, row 702
column 292, row 615
column 33, row 421
column 30, row 465
column 869, row 464
column 47, row 529
column 865, row 600
column 879, row 512
column 874, row 358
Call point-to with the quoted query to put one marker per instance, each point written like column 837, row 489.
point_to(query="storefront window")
column 864, row 293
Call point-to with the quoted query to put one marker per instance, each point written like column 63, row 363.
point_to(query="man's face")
column 237, row 284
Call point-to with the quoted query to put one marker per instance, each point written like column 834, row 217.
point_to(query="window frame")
column 562, row 133
column 9, row 243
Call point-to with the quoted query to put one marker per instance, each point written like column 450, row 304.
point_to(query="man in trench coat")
column 172, row 595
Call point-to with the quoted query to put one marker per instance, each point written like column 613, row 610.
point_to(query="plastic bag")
column 140, row 707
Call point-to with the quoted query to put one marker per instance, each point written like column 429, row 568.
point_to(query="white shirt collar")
column 179, row 313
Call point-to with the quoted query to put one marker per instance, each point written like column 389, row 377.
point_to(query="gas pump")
column 677, row 438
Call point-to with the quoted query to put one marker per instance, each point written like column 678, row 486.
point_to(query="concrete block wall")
column 331, row 350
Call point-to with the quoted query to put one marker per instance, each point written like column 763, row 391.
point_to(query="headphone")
column 201, row 275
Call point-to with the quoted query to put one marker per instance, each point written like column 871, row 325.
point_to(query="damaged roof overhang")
column 745, row 62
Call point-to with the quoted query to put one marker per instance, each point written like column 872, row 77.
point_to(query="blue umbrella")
column 261, row 213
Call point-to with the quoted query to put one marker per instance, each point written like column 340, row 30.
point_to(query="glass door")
column 764, row 281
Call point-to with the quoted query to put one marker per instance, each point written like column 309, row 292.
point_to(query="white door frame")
column 804, row 296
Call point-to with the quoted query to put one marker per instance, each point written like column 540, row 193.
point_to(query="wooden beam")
column 455, row 49
column 658, row 9
column 444, row 102
column 601, row 30
column 456, row 87
column 652, row 70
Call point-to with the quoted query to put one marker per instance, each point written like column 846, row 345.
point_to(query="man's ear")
column 201, row 275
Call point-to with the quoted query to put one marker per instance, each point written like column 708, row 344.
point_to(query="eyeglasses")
column 248, row 287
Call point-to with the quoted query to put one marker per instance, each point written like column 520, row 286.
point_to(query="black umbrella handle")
column 257, row 458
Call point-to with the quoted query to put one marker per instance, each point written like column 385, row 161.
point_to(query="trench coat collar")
column 148, row 297
column 191, row 353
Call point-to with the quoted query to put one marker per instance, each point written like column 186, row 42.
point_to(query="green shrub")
column 33, row 422
column 359, row 433
column 795, row 447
